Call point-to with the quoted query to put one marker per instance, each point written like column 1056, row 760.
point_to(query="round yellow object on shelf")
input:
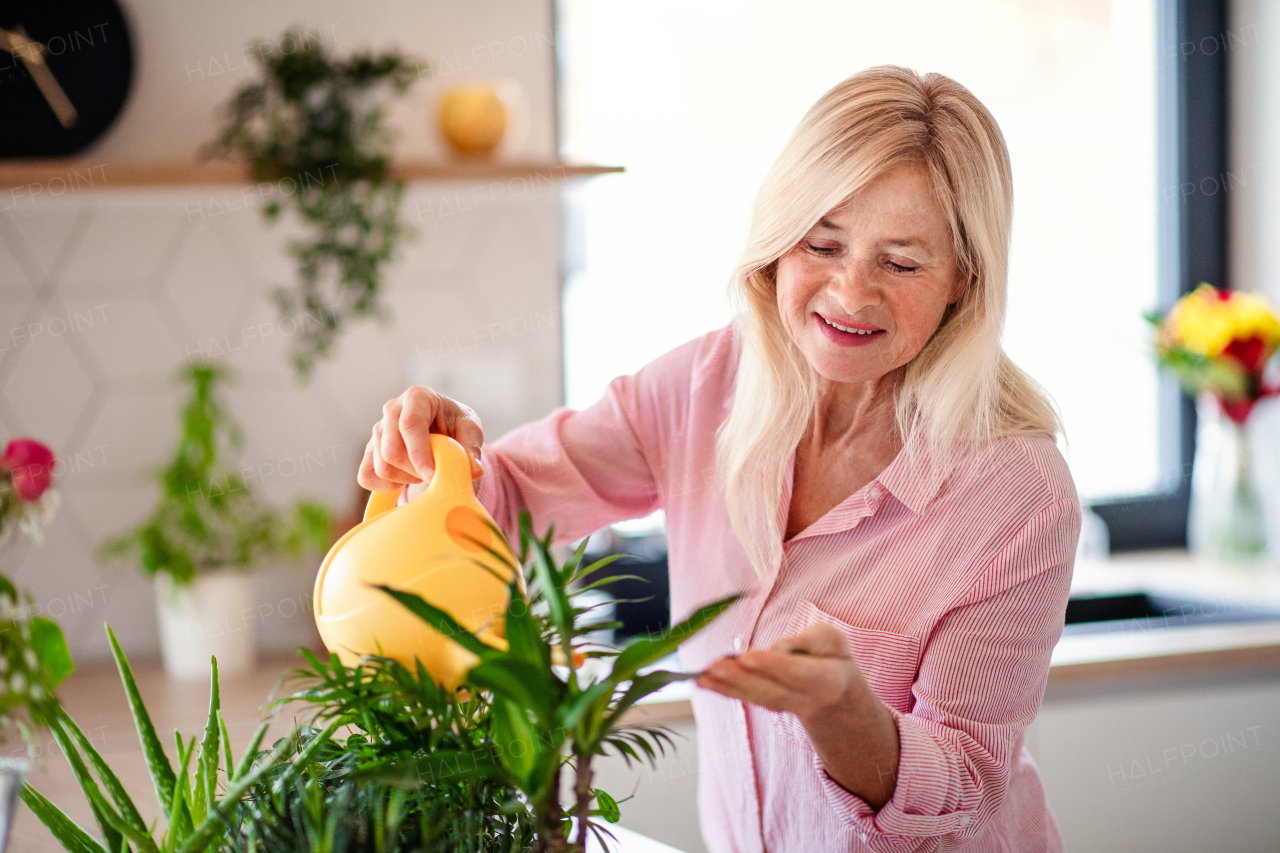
column 472, row 119
column 425, row 547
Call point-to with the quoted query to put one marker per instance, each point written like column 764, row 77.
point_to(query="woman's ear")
column 958, row 289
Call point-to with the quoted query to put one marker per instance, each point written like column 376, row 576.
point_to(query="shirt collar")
column 917, row 473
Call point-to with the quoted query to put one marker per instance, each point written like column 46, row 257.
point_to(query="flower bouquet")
column 34, row 658
column 1219, row 344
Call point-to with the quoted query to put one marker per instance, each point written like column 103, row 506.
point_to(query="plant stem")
column 584, row 793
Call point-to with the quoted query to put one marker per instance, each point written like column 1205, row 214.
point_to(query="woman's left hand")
column 814, row 676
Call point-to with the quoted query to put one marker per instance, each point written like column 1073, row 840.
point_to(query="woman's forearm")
column 857, row 741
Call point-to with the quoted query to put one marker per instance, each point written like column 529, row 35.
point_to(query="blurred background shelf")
column 55, row 176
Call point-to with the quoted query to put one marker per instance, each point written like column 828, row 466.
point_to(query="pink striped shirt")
column 949, row 578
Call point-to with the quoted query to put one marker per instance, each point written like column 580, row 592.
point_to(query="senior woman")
column 858, row 455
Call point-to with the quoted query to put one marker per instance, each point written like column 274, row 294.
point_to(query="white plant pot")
column 213, row 616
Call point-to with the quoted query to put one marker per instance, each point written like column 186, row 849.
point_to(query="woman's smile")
column 843, row 335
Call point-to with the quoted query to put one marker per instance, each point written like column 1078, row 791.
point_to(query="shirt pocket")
column 888, row 661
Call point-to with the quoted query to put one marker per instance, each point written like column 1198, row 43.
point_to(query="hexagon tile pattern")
column 101, row 303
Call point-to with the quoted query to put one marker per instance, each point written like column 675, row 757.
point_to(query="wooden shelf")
column 56, row 177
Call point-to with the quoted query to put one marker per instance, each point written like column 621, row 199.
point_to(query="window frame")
column 1191, row 109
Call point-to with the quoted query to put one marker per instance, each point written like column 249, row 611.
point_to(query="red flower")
column 1237, row 410
column 1250, row 352
column 32, row 465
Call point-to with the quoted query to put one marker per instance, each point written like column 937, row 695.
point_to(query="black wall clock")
column 65, row 71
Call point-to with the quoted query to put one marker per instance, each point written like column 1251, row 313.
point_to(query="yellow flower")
column 1207, row 320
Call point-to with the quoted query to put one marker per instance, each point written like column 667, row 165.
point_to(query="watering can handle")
column 453, row 473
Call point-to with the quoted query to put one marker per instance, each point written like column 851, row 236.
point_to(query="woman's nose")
column 854, row 285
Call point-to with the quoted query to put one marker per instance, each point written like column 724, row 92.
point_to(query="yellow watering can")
column 425, row 547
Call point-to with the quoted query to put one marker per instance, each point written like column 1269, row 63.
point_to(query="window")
column 697, row 99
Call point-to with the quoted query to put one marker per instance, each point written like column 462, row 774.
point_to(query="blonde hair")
column 961, row 389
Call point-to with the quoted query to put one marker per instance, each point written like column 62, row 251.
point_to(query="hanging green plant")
column 312, row 131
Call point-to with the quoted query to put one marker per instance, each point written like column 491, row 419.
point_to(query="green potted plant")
column 393, row 762
column 312, row 132
column 206, row 534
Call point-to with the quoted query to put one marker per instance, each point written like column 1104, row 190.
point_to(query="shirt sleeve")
column 577, row 470
column 982, row 676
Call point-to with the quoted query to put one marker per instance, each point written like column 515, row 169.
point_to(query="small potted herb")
column 206, row 534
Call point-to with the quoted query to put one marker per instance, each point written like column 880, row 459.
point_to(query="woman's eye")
column 825, row 251
column 900, row 268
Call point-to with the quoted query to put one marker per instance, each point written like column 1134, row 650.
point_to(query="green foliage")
column 196, row 819
column 312, row 129
column 543, row 714
column 34, row 660
column 419, row 769
column 207, row 517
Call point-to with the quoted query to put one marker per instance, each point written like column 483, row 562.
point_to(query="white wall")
column 103, row 294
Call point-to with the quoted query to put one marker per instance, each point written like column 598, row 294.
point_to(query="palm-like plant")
column 546, row 713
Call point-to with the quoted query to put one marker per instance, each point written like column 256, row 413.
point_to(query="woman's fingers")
column 384, row 467
column 820, row 638
column 470, row 435
column 731, row 679
column 399, row 453
column 368, row 477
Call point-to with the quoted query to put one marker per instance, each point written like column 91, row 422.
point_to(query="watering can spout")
column 437, row 546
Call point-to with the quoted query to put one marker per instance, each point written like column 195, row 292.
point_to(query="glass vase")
column 11, row 772
column 1226, row 520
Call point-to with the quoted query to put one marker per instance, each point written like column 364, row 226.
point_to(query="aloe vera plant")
column 195, row 817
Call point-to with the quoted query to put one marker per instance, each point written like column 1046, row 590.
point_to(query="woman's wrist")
column 857, row 740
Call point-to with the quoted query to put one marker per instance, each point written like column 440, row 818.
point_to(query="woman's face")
column 865, row 289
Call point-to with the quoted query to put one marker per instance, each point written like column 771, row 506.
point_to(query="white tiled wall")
column 104, row 296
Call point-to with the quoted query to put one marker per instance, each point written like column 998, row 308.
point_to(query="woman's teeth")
column 848, row 329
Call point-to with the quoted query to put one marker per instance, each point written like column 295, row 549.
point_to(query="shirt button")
column 964, row 820
column 737, row 645
column 862, row 836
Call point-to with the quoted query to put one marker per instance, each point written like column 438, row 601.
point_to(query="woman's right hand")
column 399, row 453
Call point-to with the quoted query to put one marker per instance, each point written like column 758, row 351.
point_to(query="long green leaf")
column 162, row 776
column 441, row 621
column 515, row 740
column 207, row 768
column 524, row 640
column 67, row 832
column 246, row 758
column 226, row 748
column 102, row 811
column 235, row 790
column 577, row 709
column 642, row 686
column 178, row 817
column 645, row 651
column 127, row 810
column 553, row 590
column 518, row 680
